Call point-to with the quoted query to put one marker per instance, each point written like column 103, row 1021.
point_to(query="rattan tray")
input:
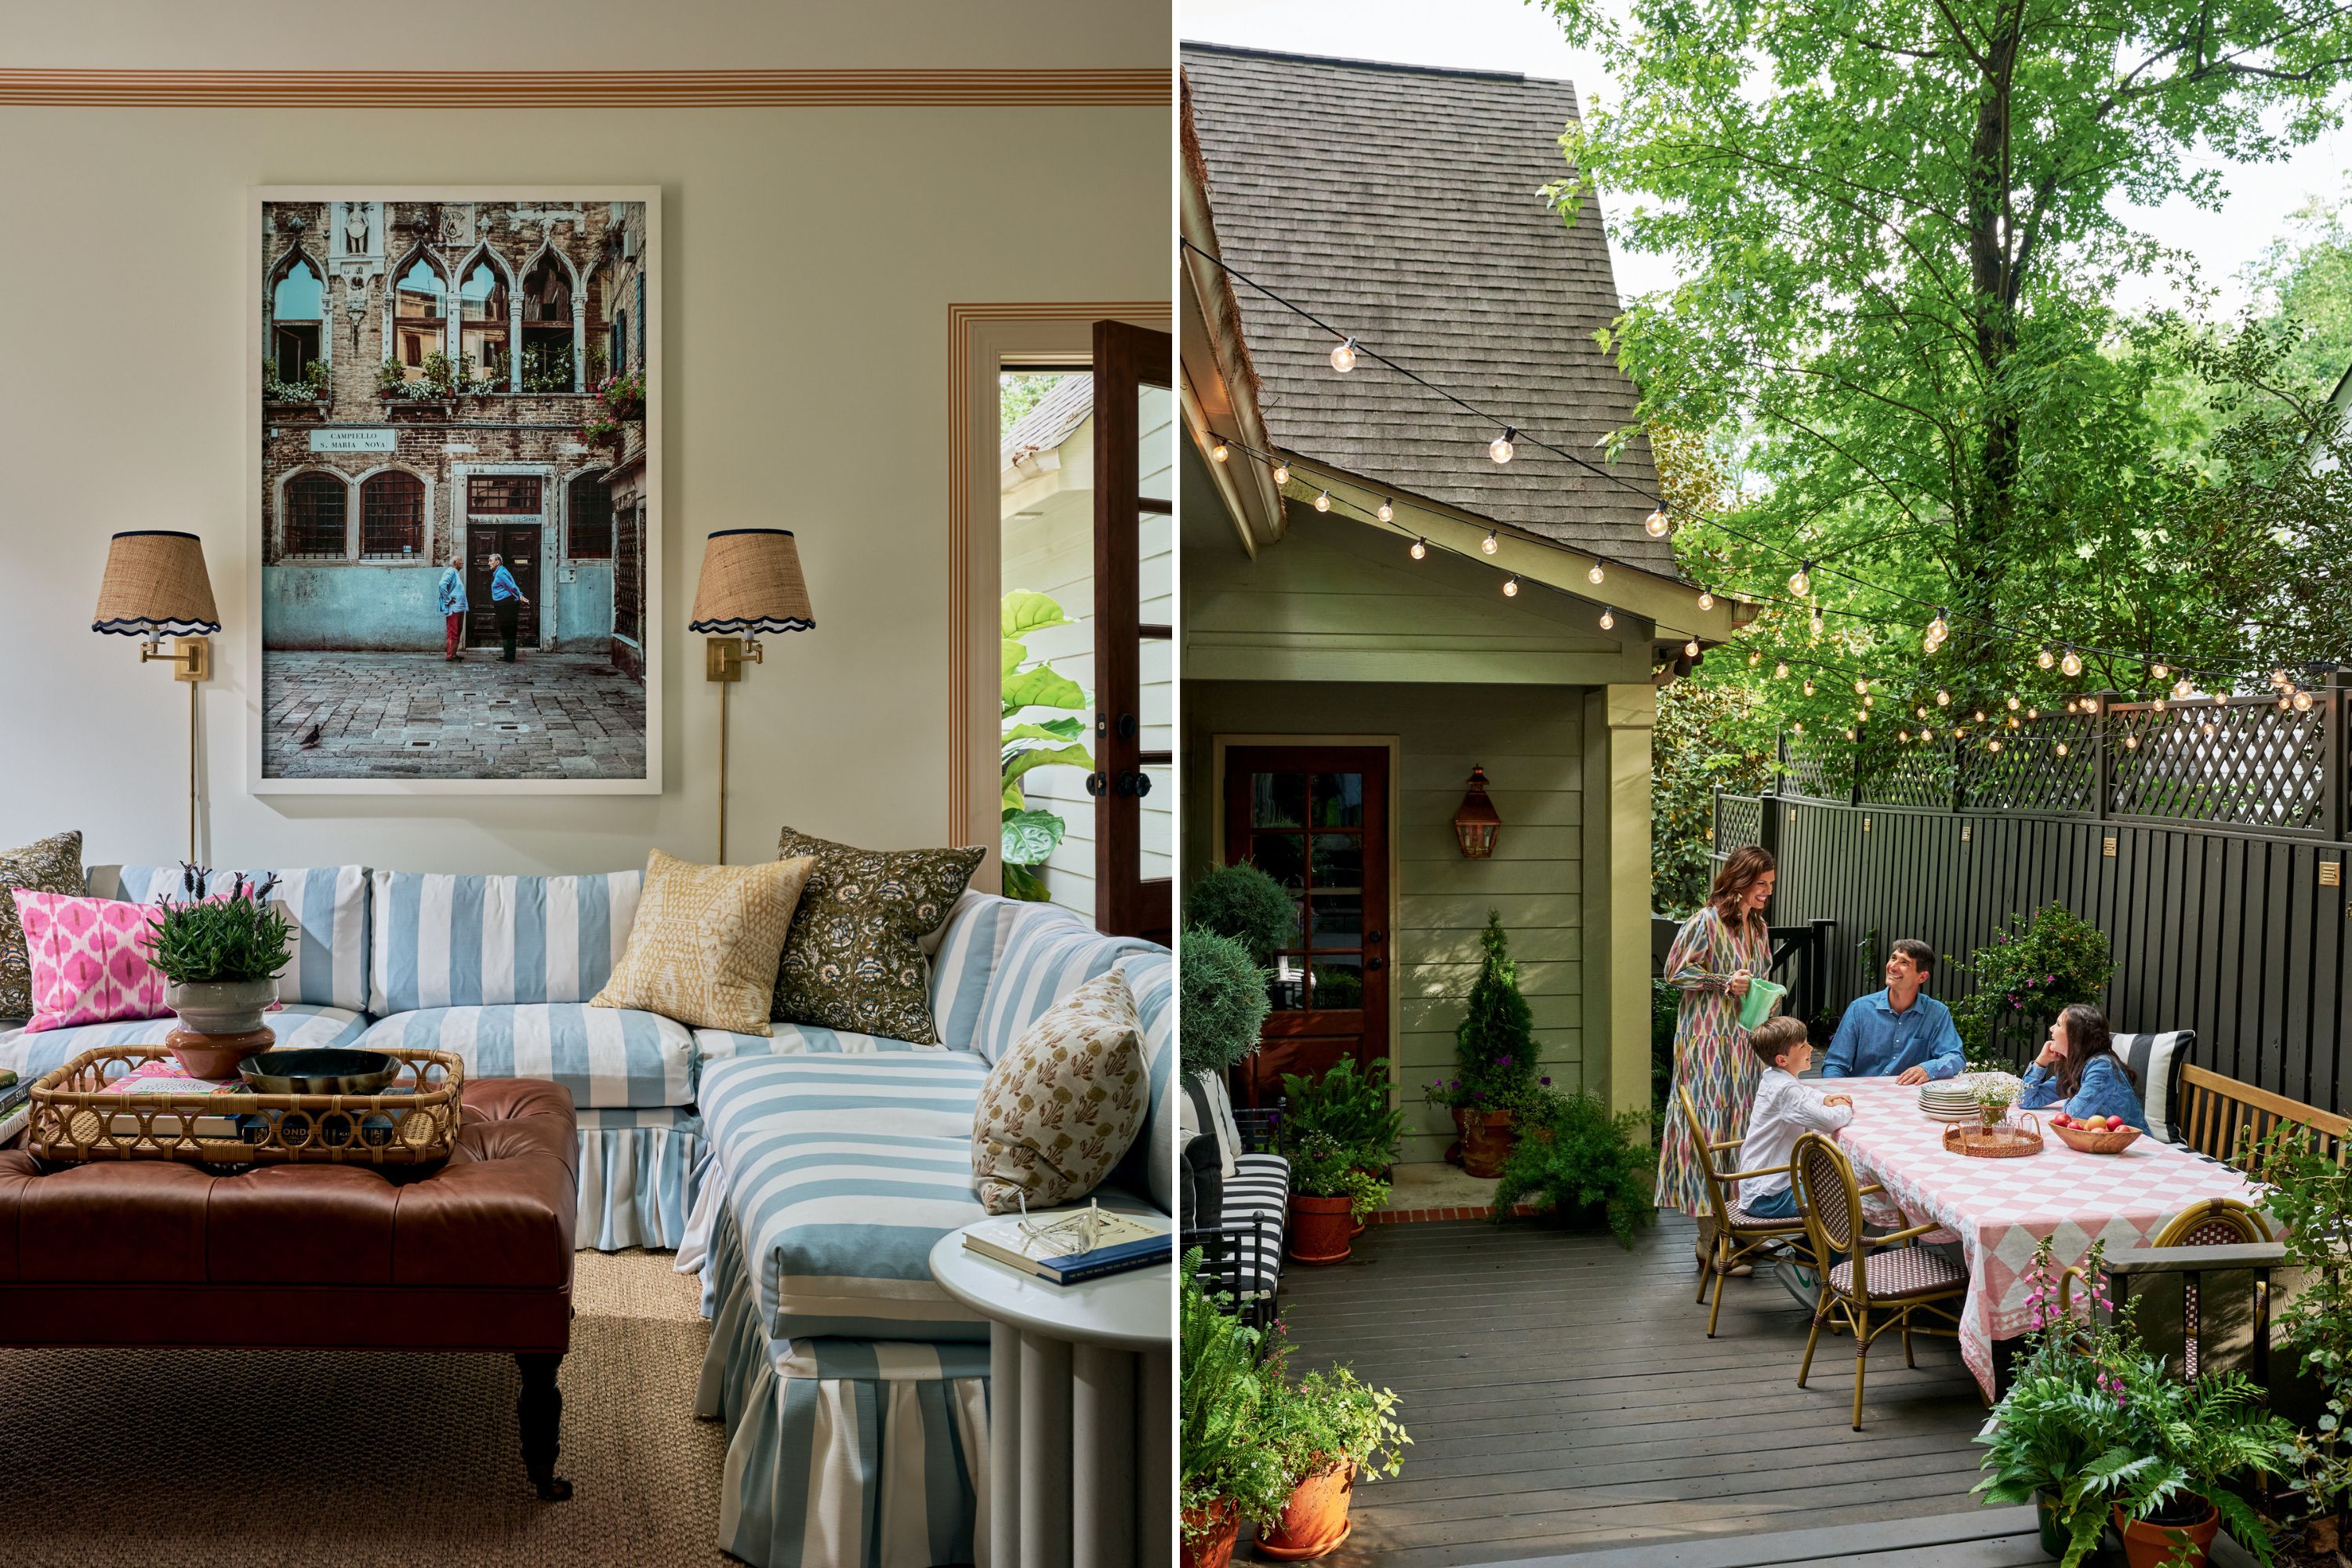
column 2010, row 1141
column 73, row 1119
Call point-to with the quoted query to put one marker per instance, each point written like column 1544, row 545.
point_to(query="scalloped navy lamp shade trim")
column 155, row 585
column 751, row 584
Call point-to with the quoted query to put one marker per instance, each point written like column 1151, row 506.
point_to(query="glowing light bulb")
column 2181, row 690
column 1220, row 452
column 1927, row 734
column 2209, row 729
column 1706, row 600
column 1943, row 700
column 2159, row 704
column 1798, row 728
column 1322, row 500
column 1656, row 524
column 2303, row 701
column 1608, row 620
column 1809, row 688
column 1500, row 448
column 1800, row 581
column 1937, row 630
column 2013, row 720
column 2131, row 742
column 2012, row 702
column 1421, row 550
column 1815, row 624
column 1861, row 688
column 1386, row 513
column 2034, row 713
column 1780, row 671
column 2072, row 664
column 1903, row 736
column 1849, row 734
column 1755, row 657
column 1343, row 358
column 2220, row 697
column 1281, row 474
column 1992, row 745
column 2044, row 659
column 1979, row 715
column 1690, row 648
column 1595, row 575
column 1488, row 543
column 1511, row 588
column 1868, row 700
column 2285, row 702
column 2059, row 748
column 1920, row 712
column 2159, row 672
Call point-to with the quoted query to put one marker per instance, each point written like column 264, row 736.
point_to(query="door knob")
column 1372, row 936
column 1375, row 963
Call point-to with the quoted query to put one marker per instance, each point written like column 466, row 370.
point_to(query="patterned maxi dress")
column 1711, row 1055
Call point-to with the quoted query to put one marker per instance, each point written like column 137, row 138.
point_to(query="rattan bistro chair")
column 2214, row 1222
column 1740, row 1237
column 1888, row 1286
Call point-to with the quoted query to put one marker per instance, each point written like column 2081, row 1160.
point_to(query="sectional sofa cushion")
column 328, row 905
column 796, row 1040
column 854, row 958
column 33, row 1053
column 707, row 941
column 88, row 958
column 606, row 1056
column 1063, row 1105
column 468, row 941
column 46, row 865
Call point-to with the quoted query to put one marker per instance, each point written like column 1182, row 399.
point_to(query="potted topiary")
column 1328, row 1194
column 221, row 958
column 1243, row 902
column 1222, row 1004
column 1331, row 1431
column 1494, row 1057
column 1229, row 1467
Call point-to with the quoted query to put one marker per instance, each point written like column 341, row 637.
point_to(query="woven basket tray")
column 72, row 1120
column 2114, row 1142
column 2011, row 1140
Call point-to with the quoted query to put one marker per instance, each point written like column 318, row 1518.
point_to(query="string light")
column 1920, row 712
column 1595, row 575
column 2131, row 742
column 1706, row 600
column 1690, row 648
column 1511, row 588
column 1943, row 700
column 2044, row 659
column 1815, row 625
column 1488, row 543
column 2013, row 720
column 2183, row 691
column 2034, row 713
column 1323, row 500
column 1386, row 513
column 1979, row 715
column 2303, row 701
column 1849, row 734
column 1861, row 688
column 2159, row 704
column 1608, row 619
column 1798, row 728
column 1220, row 452
column 2059, row 748
column 1938, row 629
column 1903, row 736
column 2072, row 664
column 2220, row 697
column 1927, row 734
column 1755, row 657
column 2012, row 701
column 1809, row 686
column 1500, row 448
column 1343, row 358
column 1780, row 671
column 1800, row 581
column 1281, row 474
column 2159, row 670
column 1657, row 523
column 1993, row 745
column 1868, row 700
column 1421, row 550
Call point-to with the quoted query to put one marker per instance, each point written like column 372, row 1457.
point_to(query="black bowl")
column 318, row 1070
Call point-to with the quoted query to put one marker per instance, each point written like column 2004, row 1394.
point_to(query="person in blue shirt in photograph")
column 2078, row 1070
column 507, row 600
column 1900, row 1033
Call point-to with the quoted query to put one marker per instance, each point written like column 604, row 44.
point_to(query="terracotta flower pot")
column 1315, row 1520
column 2149, row 1546
column 1213, row 1547
column 1318, row 1228
column 1486, row 1140
column 220, row 1024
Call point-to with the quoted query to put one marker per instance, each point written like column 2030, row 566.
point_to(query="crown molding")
column 1143, row 87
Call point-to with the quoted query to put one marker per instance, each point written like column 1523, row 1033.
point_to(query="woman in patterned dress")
column 1713, row 956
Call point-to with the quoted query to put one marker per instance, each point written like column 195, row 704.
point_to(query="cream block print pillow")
column 707, row 941
column 1062, row 1107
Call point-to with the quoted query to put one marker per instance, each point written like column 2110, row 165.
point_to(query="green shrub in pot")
column 1222, row 1001
column 1227, row 1462
column 1246, row 903
column 1351, row 1106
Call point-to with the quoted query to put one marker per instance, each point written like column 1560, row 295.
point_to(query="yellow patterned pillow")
column 1063, row 1105
column 707, row 941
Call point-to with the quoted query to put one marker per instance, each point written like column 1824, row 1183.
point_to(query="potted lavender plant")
column 220, row 957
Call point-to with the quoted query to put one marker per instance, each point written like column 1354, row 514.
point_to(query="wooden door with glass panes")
column 1314, row 819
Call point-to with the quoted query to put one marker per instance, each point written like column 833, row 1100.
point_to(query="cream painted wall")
column 812, row 257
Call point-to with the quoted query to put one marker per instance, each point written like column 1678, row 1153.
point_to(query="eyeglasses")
column 1064, row 1236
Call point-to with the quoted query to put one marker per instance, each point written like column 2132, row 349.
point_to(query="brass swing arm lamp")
column 156, row 587
column 751, row 584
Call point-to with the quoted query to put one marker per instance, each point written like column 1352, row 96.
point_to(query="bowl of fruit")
column 2095, row 1134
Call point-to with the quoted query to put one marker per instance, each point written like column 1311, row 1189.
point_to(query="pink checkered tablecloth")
column 2000, row 1209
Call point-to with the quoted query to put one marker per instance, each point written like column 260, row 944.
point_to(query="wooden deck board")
column 1564, row 1398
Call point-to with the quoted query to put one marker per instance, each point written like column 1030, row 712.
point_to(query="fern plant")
column 1029, row 834
column 1574, row 1159
column 1225, row 1452
column 239, row 937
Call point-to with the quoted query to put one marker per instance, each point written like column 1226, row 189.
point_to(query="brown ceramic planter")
column 1318, row 1228
column 220, row 1024
column 1486, row 1140
column 1315, row 1520
column 1214, row 1548
column 2149, row 1546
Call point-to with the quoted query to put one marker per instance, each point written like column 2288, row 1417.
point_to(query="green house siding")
column 1530, row 739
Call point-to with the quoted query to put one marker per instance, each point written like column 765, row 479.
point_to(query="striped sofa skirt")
column 871, row 1453
column 640, row 1171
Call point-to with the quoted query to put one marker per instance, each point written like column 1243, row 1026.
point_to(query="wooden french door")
column 1135, row 450
column 1314, row 819
column 518, row 543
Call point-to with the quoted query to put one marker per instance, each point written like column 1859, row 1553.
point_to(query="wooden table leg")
column 1102, row 1457
column 541, row 1411
column 1155, row 1492
column 1045, row 1452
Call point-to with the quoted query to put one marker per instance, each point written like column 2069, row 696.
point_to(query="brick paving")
column 410, row 715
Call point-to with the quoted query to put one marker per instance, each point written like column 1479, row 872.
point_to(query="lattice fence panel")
column 1909, row 774
column 1817, row 766
column 1738, row 819
column 2239, row 765
column 2048, row 763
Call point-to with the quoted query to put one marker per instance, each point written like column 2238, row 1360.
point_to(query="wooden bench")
column 2225, row 1117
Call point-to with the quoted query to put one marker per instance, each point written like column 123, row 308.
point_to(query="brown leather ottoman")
column 475, row 1254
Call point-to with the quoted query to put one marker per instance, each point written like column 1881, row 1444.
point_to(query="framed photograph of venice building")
column 455, row 478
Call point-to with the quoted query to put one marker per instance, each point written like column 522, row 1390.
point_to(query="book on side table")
column 1085, row 1244
column 164, row 1075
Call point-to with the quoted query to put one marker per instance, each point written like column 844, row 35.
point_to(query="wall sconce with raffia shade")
column 751, row 584
column 1477, row 824
column 156, row 587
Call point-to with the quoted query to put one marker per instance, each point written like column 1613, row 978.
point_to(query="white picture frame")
column 363, row 219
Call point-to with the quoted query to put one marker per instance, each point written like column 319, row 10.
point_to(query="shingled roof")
column 1400, row 203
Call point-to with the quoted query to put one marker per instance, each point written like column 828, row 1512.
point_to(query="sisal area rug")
column 282, row 1459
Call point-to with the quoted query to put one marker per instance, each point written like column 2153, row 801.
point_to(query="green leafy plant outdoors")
column 439, row 377
column 1222, row 1001
column 1494, row 1045
column 1321, row 1166
column 1243, row 901
column 1226, row 1451
column 547, row 366
column 1348, row 1105
column 2030, row 972
column 309, row 389
column 1330, row 1419
column 2310, row 1196
column 1575, row 1160
column 239, row 937
column 1030, row 834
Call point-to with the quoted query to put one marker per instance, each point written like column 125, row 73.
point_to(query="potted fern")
column 1229, row 1465
column 220, row 958
column 1329, row 1192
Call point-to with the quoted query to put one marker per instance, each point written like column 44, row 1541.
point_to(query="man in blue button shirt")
column 507, row 600
column 1900, row 1032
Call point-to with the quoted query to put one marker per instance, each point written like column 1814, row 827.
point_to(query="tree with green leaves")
column 1902, row 228
column 1030, row 834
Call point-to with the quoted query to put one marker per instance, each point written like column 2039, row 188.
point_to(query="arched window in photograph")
column 592, row 518
column 391, row 515
column 482, row 334
column 296, row 313
column 547, row 327
column 420, row 307
column 315, row 504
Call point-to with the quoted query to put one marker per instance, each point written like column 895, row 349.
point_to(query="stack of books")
column 14, row 1092
column 1083, row 1244
column 164, row 1075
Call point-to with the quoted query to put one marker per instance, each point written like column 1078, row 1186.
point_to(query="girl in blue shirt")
column 2078, row 1070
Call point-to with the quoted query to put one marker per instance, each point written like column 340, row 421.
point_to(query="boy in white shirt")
column 1784, row 1109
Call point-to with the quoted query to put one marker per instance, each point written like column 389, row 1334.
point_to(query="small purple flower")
column 1504, row 1062
column 2049, row 980
column 1545, row 1081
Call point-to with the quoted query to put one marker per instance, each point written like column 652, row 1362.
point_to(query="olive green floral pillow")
column 854, row 958
column 51, row 865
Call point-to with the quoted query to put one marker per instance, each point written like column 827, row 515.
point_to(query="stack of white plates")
column 1948, row 1100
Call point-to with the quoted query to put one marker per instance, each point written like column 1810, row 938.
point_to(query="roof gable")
column 1401, row 203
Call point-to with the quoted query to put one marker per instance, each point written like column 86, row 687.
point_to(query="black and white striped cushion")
column 1257, row 1202
column 2156, row 1061
column 1213, row 1112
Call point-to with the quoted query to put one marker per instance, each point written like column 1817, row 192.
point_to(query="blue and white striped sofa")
column 853, row 1389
